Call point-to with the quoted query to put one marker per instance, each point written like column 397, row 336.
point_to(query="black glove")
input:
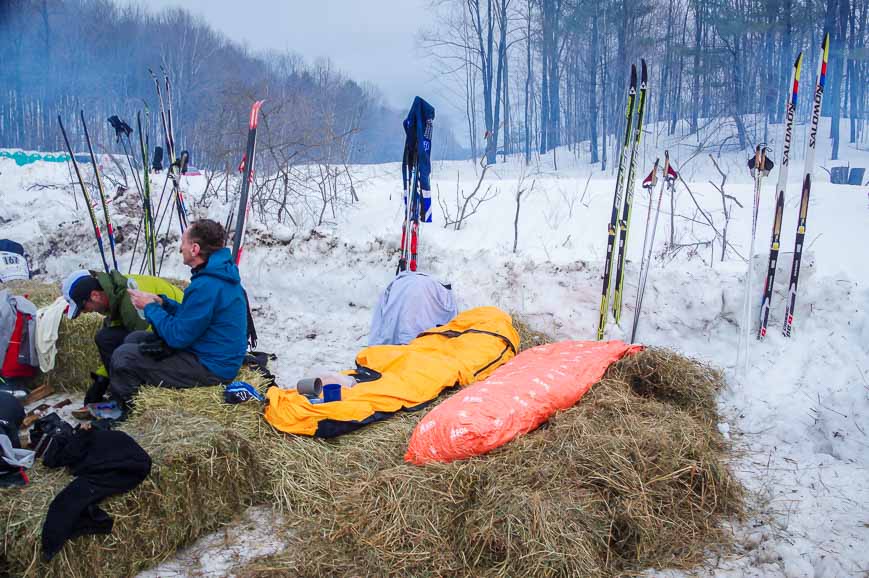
column 155, row 348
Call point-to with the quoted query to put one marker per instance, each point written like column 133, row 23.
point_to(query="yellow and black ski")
column 617, row 205
column 625, row 222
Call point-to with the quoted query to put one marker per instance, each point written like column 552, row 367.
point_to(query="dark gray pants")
column 130, row 369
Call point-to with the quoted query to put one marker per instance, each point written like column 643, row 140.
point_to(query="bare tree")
column 520, row 190
column 466, row 205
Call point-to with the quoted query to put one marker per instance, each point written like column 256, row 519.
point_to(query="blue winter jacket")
column 211, row 321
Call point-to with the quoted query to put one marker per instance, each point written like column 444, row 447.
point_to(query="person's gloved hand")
column 155, row 348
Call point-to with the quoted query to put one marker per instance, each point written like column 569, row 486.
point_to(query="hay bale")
column 204, row 474
column 77, row 354
column 632, row 478
column 39, row 293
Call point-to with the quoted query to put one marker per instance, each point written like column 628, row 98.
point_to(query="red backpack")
column 17, row 362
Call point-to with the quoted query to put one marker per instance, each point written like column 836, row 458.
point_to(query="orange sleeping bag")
column 515, row 399
column 403, row 377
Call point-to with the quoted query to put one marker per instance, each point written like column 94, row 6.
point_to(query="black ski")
column 87, row 198
column 775, row 238
column 109, row 229
column 247, row 179
column 807, row 187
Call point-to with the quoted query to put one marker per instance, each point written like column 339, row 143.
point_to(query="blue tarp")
column 22, row 158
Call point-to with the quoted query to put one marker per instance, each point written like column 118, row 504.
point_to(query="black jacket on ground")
column 105, row 463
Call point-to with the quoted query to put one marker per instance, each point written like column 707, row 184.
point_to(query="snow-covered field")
column 798, row 415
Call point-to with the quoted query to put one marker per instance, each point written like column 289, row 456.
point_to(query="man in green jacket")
column 106, row 293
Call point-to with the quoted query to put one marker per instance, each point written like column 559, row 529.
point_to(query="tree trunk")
column 737, row 90
column 838, row 72
column 528, row 88
column 502, row 56
column 554, row 78
column 544, row 99
column 677, row 91
column 698, row 36
column 592, row 88
column 852, row 74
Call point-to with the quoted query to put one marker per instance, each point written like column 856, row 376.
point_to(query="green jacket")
column 121, row 312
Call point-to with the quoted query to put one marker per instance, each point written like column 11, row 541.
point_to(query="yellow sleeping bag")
column 403, row 377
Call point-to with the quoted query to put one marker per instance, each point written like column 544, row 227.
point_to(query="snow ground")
column 799, row 414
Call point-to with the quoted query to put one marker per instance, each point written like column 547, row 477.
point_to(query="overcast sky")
column 371, row 40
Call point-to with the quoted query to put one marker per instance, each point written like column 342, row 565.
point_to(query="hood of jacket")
column 220, row 266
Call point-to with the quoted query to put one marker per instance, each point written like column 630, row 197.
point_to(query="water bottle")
column 131, row 284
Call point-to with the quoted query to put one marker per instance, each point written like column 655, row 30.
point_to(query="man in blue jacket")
column 201, row 341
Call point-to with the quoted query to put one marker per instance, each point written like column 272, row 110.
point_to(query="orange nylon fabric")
column 468, row 348
column 514, row 400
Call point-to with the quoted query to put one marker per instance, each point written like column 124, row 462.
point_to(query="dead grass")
column 632, row 478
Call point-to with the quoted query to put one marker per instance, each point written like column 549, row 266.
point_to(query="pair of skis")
column 790, row 110
column 619, row 227
column 87, row 197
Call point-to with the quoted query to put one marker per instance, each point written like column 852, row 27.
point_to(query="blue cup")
column 331, row 392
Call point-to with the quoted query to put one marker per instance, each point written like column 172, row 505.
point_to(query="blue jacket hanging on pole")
column 417, row 154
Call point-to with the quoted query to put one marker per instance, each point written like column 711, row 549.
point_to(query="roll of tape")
column 310, row 386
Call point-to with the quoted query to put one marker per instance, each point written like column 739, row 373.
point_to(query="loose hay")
column 632, row 478
column 203, row 475
column 528, row 337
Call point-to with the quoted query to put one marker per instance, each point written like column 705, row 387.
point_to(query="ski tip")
column 633, row 75
column 254, row 113
column 644, row 77
column 825, row 49
column 798, row 63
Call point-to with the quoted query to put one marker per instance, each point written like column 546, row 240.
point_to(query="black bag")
column 48, row 431
column 259, row 362
column 157, row 161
